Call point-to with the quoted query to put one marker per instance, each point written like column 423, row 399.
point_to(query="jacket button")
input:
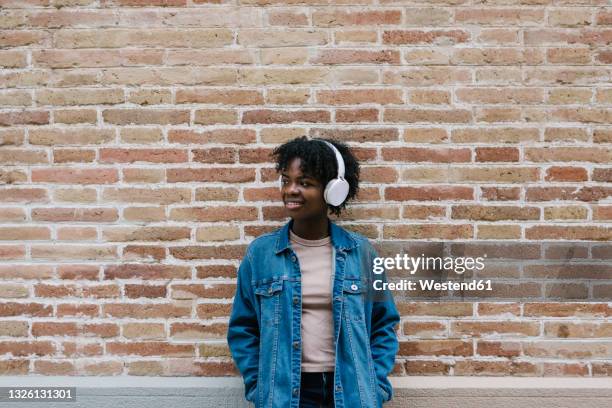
column 295, row 300
column 270, row 290
column 296, row 345
column 353, row 287
column 338, row 388
column 296, row 391
column 293, row 258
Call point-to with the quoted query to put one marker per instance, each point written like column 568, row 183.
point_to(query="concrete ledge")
column 413, row 392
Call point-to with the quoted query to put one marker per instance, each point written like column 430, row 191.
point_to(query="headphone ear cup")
column 336, row 191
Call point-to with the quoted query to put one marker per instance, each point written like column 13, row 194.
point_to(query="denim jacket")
column 264, row 328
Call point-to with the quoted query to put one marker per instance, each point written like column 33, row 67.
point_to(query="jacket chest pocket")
column 353, row 291
column 269, row 293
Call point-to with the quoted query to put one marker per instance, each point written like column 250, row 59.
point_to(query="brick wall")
column 134, row 170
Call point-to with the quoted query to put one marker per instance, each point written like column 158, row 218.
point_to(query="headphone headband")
column 339, row 159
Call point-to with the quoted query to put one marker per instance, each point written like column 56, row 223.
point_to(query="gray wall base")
column 412, row 392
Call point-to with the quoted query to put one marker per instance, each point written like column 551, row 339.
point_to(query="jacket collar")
column 340, row 238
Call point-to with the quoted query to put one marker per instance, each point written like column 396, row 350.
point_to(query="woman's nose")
column 292, row 187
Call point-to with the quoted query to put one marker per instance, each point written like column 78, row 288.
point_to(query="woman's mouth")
column 293, row 205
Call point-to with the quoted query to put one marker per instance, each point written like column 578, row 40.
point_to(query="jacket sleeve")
column 243, row 330
column 383, row 338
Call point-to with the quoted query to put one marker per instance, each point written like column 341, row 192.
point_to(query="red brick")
column 594, row 233
column 378, row 174
column 25, row 309
column 49, row 367
column 77, row 310
column 500, row 193
column 23, row 348
column 215, row 155
column 143, row 155
column 214, row 291
column 228, row 175
column 497, row 154
column 77, row 233
column 145, row 311
column 224, row 97
column 144, row 252
column 233, row 136
column 435, row 348
column 496, row 16
column 498, row 348
column 421, row 154
column 212, row 271
column 602, row 174
column 357, row 134
column 347, row 56
column 142, row 271
column 439, row 37
column 360, row 96
column 412, row 115
column 211, row 310
column 25, row 117
column 427, row 367
column 483, row 329
column 494, row 213
column 145, row 116
column 558, row 173
column 567, row 193
column 208, row 214
column 268, row 116
column 151, row 3
column 198, row 330
column 589, row 310
column 356, row 115
column 74, row 175
column 429, row 193
column 150, row 349
column 54, row 329
column 73, row 156
column 97, row 215
column 336, row 18
column 24, row 233
column 421, row 231
column 145, row 291
column 495, row 368
column 208, row 252
column 78, row 272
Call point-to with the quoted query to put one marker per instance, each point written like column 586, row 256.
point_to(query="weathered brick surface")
column 135, row 141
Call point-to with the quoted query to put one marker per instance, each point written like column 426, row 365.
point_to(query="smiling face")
column 302, row 194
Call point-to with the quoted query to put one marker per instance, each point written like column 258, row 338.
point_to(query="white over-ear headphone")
column 336, row 189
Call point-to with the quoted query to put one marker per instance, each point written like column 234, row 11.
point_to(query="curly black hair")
column 319, row 161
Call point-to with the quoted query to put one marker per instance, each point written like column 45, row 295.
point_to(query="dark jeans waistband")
column 318, row 378
column 317, row 390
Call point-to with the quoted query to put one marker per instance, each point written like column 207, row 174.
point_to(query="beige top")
column 315, row 258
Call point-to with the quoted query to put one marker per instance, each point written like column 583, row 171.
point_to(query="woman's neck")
column 311, row 229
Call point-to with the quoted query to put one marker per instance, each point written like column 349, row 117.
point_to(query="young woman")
column 306, row 330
